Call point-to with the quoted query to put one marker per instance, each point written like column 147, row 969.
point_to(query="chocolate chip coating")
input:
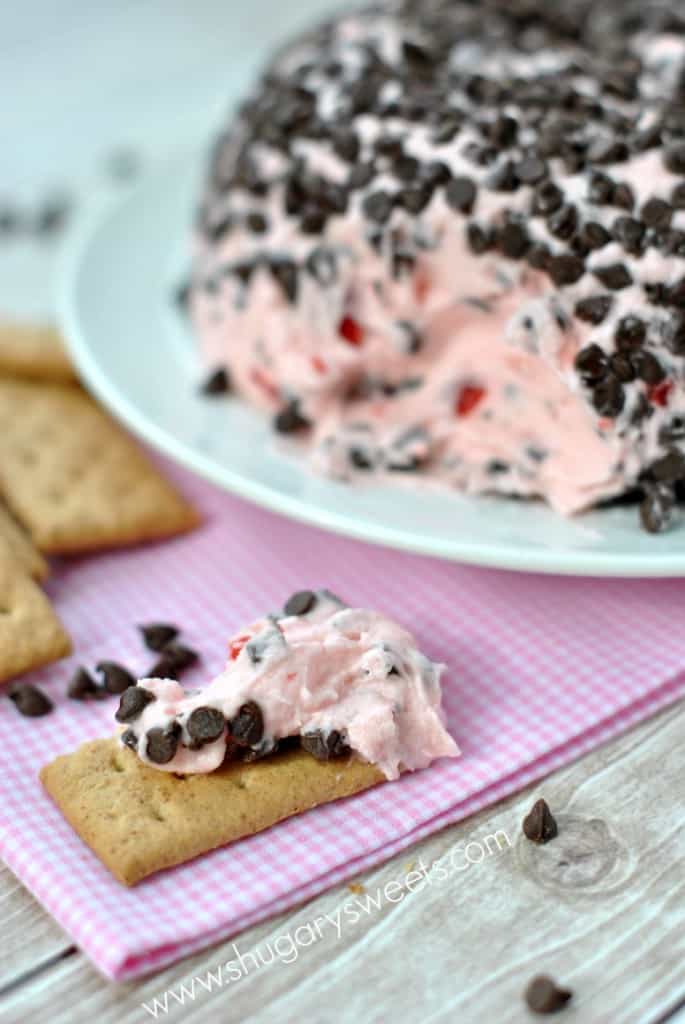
column 205, row 725
column 161, row 744
column 324, row 746
column 247, row 727
column 300, row 603
column 133, row 702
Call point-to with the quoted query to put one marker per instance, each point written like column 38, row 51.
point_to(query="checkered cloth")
column 541, row 670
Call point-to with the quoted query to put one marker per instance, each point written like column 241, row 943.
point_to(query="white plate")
column 136, row 353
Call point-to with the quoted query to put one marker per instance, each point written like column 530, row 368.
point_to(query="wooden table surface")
column 601, row 908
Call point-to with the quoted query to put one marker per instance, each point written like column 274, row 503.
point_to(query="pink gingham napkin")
column 540, row 670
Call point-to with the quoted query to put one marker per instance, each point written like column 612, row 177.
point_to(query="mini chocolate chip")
column 205, row 725
column 216, row 229
column 503, row 131
column 630, row 333
column 243, row 271
column 656, row 510
column 678, row 196
column 156, row 635
column 512, row 238
column 673, row 431
column 648, row 138
column 594, row 309
column 600, row 189
column 461, row 194
column 448, row 126
column 29, row 700
column 133, row 702
column 129, row 739
column 360, row 176
column 290, row 420
column 412, row 336
column 607, row 151
column 648, row 367
column 594, row 235
column 346, row 145
column 414, row 199
column 539, row 256
column 300, row 603
column 630, row 233
column 312, row 222
column 284, row 271
column 174, row 659
column 161, row 744
column 325, row 746
column 615, row 276
column 503, row 179
column 478, row 238
column 623, row 196
column 378, row 206
column 217, row 383
column 321, row 264
column 543, row 995
column 622, row 367
column 483, row 156
column 675, row 335
column 656, row 292
column 256, row 222
column 531, row 170
column 539, row 825
column 675, row 295
column 591, row 363
column 436, row 173
column 389, row 145
column 360, row 459
column 565, row 269
column 82, row 686
column 674, row 158
column 247, row 727
column 115, row 677
column 609, row 397
column 657, row 213
column 563, row 222
column 669, row 468
column 406, row 168
column 548, row 198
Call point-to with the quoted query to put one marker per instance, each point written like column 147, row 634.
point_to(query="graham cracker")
column 20, row 546
column 74, row 478
column 35, row 351
column 139, row 820
column 31, row 635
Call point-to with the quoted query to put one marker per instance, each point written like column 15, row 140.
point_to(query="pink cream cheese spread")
column 335, row 679
column 447, row 240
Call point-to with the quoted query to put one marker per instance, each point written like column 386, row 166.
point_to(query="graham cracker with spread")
column 74, row 478
column 35, row 351
column 139, row 820
column 20, row 546
column 31, row 635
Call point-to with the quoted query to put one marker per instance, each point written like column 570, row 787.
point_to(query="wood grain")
column 602, row 908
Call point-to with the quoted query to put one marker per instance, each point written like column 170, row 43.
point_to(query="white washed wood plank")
column 611, row 922
column 28, row 936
